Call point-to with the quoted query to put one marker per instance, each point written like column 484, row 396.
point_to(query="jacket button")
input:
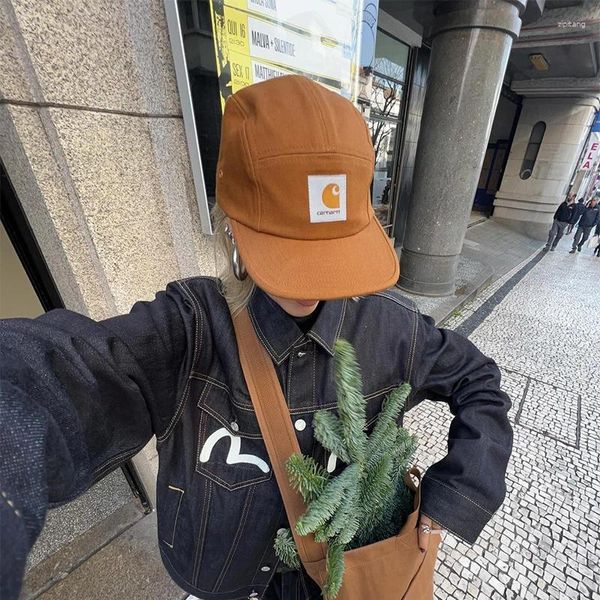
column 234, row 426
column 300, row 425
column 265, row 569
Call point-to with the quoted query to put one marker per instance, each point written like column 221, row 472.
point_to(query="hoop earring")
column 239, row 271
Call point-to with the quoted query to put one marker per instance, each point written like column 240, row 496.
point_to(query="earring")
column 239, row 270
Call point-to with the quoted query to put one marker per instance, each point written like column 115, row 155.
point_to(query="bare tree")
column 386, row 98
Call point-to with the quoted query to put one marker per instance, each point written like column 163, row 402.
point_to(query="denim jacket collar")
column 279, row 332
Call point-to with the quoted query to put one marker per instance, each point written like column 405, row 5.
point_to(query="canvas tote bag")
column 392, row 569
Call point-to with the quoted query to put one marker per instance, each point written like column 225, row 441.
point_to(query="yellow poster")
column 256, row 40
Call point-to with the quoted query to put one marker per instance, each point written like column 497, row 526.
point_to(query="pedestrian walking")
column 597, row 238
column 305, row 263
column 588, row 220
column 578, row 209
column 562, row 217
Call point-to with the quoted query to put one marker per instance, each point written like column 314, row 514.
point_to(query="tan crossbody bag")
column 393, row 569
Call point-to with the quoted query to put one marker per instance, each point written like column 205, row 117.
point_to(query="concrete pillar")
column 92, row 138
column 528, row 205
column 471, row 42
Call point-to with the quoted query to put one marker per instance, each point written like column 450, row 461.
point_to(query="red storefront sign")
column 590, row 156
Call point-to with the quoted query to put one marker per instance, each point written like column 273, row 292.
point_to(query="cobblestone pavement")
column 544, row 334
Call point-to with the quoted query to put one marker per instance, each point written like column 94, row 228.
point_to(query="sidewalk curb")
column 473, row 321
column 477, row 289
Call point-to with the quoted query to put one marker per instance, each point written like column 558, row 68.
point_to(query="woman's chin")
column 296, row 308
column 301, row 308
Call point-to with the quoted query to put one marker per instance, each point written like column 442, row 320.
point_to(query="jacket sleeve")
column 77, row 398
column 463, row 490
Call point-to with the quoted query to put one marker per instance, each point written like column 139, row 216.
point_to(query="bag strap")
column 275, row 425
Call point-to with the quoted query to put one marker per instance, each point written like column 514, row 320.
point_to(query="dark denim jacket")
column 80, row 397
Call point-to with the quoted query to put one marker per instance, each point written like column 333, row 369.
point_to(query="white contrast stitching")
column 487, row 512
column 397, row 300
column 198, row 322
column 413, row 345
column 11, row 505
column 172, row 487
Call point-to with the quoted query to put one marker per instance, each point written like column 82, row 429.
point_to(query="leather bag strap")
column 275, row 425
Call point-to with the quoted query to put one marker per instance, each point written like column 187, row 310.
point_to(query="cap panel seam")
column 303, row 239
column 308, row 152
column 246, row 143
column 313, row 93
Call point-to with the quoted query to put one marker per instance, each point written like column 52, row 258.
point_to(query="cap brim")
column 357, row 265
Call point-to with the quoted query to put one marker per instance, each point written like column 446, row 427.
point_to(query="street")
column 541, row 323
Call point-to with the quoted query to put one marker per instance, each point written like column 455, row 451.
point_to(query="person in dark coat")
column 588, row 220
column 562, row 218
column 577, row 212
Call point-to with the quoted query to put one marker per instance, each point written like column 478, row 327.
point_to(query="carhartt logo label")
column 331, row 196
column 327, row 198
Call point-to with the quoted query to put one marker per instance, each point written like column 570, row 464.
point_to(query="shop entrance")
column 491, row 176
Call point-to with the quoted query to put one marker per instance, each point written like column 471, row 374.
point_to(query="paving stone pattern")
column 545, row 540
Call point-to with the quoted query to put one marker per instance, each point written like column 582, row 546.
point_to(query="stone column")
column 528, row 205
column 471, row 42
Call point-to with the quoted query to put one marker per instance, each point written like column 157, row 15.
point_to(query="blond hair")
column 236, row 292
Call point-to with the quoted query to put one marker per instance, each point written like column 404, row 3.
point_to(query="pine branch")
column 369, row 500
column 386, row 421
column 352, row 518
column 285, row 549
column 323, row 507
column 306, row 476
column 404, row 448
column 351, row 404
column 378, row 446
column 329, row 433
column 392, row 405
column 335, row 570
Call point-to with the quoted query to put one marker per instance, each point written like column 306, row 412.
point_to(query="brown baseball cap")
column 294, row 176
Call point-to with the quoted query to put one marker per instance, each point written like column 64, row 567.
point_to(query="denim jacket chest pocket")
column 230, row 449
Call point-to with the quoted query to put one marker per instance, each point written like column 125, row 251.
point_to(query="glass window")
column 204, row 84
column 386, row 96
column 391, row 57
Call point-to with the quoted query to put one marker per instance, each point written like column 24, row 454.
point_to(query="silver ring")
column 425, row 528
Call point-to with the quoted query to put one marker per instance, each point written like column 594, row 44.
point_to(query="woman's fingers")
column 423, row 536
column 427, row 528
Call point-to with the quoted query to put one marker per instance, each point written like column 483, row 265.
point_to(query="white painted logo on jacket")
column 233, row 456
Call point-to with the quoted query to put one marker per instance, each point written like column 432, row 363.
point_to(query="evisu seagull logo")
column 233, row 456
column 327, row 198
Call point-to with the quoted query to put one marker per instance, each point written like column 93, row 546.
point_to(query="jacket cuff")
column 452, row 510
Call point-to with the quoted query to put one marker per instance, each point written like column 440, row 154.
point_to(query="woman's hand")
column 427, row 528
